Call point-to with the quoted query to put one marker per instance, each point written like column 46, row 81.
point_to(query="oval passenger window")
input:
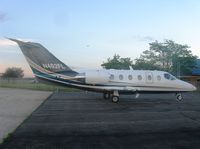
column 149, row 77
column 139, row 77
column 158, row 78
column 130, row 77
column 121, row 77
column 111, row 77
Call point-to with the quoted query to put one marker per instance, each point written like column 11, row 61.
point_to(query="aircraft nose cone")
column 193, row 88
column 189, row 87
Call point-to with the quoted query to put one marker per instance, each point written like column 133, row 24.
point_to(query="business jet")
column 47, row 68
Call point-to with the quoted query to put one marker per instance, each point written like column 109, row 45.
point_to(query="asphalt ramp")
column 80, row 120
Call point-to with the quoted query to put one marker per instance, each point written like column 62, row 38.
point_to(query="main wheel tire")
column 179, row 97
column 115, row 99
column 106, row 95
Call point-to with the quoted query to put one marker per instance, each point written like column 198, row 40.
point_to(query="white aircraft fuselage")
column 136, row 80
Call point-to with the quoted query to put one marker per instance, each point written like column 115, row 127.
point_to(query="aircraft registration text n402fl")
column 53, row 66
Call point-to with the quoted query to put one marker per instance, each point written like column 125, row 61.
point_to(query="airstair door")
column 149, row 77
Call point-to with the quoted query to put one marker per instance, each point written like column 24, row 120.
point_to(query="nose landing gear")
column 106, row 95
column 179, row 97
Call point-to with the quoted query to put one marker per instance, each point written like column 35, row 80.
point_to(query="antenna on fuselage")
column 130, row 67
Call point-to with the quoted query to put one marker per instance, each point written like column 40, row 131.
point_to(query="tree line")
column 13, row 72
column 166, row 56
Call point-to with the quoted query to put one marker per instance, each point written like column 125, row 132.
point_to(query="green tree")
column 13, row 72
column 168, row 56
column 117, row 63
column 142, row 64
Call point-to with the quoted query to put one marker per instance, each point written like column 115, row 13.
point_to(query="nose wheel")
column 179, row 97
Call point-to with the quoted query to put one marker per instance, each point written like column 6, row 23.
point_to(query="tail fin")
column 41, row 60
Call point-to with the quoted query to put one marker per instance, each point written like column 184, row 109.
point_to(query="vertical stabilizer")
column 41, row 60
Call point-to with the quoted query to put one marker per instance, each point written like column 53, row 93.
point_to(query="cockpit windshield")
column 169, row 76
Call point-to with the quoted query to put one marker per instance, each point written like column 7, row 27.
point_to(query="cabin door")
column 149, row 77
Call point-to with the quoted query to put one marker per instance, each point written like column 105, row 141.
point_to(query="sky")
column 84, row 33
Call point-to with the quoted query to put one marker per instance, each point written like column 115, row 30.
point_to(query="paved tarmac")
column 15, row 106
column 80, row 120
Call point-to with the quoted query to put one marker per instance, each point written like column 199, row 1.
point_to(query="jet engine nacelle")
column 96, row 77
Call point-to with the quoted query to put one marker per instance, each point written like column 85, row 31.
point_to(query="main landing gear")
column 106, row 95
column 114, row 96
column 179, row 97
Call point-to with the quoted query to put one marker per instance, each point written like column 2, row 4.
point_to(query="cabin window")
column 158, row 78
column 173, row 78
column 121, row 77
column 130, row 77
column 139, row 77
column 169, row 77
column 111, row 77
column 149, row 77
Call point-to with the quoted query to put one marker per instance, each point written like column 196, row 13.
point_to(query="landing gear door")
column 149, row 77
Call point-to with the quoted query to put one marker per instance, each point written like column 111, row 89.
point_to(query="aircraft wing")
column 68, row 77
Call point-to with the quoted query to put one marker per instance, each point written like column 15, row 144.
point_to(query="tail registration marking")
column 53, row 66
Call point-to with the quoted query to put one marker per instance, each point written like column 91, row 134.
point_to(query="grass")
column 35, row 86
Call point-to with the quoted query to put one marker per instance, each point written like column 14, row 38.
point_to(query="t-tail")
column 41, row 60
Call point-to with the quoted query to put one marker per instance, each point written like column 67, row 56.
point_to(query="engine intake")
column 96, row 77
